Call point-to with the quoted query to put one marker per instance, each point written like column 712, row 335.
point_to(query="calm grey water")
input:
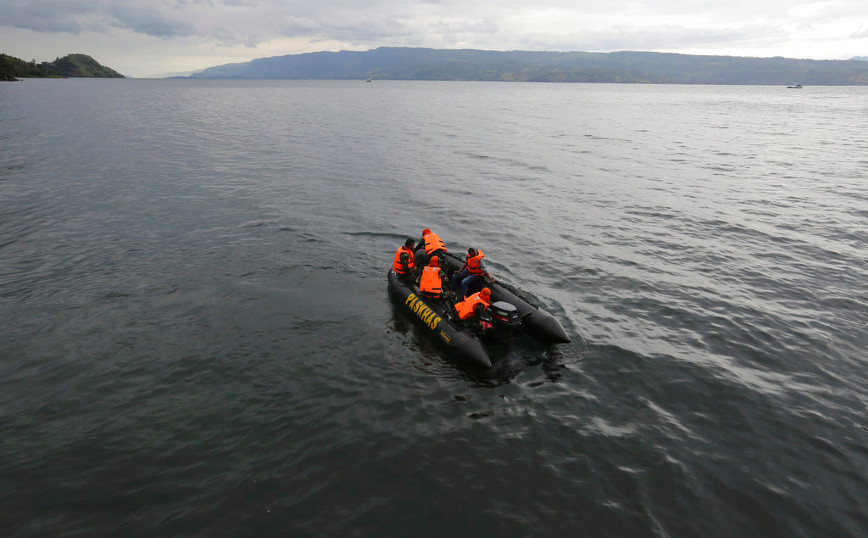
column 197, row 339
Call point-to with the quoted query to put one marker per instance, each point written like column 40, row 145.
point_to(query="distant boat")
column 795, row 86
column 369, row 80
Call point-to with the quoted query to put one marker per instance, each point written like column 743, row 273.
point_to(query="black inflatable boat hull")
column 432, row 317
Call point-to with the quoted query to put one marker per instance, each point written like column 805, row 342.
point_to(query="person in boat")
column 471, row 273
column 404, row 264
column 433, row 245
column 432, row 279
column 470, row 310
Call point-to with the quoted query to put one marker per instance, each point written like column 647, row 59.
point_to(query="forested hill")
column 72, row 65
column 631, row 67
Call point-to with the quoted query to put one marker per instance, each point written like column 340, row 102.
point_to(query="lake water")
column 197, row 338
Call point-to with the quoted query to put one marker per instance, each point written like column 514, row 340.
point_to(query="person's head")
column 485, row 293
column 405, row 257
column 409, row 243
column 471, row 252
column 435, row 261
column 426, row 231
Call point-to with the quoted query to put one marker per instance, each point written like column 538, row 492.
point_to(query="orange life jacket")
column 473, row 266
column 433, row 242
column 430, row 283
column 397, row 266
column 465, row 308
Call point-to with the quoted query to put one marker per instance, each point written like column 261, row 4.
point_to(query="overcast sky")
column 141, row 38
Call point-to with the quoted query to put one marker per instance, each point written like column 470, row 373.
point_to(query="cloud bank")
column 194, row 34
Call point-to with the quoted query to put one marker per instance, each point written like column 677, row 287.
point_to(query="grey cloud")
column 147, row 20
column 77, row 16
column 49, row 15
column 676, row 38
column 229, row 38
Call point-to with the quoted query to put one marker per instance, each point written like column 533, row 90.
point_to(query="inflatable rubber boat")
column 509, row 313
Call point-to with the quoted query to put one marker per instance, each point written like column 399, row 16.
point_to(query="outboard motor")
column 503, row 321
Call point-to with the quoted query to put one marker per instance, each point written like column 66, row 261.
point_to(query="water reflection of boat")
column 795, row 86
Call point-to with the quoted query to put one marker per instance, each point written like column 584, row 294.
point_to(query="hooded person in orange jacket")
column 433, row 245
column 431, row 280
column 472, row 307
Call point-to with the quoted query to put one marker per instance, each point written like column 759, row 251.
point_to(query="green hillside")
column 72, row 65
column 82, row 65
column 11, row 68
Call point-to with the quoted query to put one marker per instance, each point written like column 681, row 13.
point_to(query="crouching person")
column 431, row 279
column 470, row 310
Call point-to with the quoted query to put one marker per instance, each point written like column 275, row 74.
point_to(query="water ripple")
column 198, row 337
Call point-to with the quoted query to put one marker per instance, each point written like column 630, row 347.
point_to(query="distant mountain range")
column 627, row 67
column 72, row 65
